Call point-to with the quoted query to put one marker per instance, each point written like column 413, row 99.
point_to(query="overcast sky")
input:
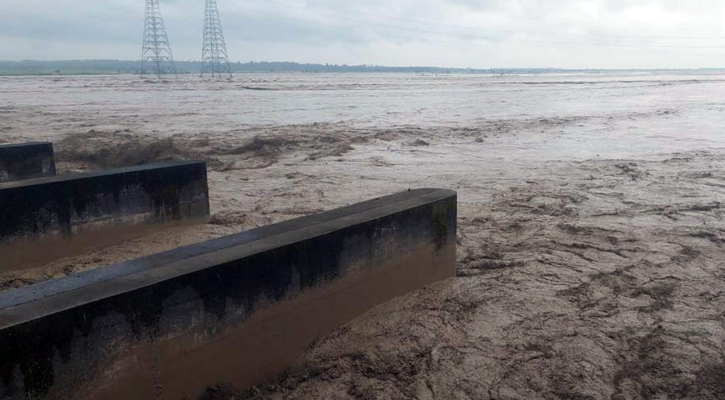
column 448, row 33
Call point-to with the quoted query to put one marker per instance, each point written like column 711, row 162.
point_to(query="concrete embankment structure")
column 26, row 161
column 235, row 310
column 48, row 218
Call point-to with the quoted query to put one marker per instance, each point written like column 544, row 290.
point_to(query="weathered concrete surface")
column 26, row 161
column 48, row 218
column 235, row 310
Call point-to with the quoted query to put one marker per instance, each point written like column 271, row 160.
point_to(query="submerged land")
column 591, row 223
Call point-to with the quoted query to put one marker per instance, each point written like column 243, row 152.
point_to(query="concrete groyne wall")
column 48, row 218
column 235, row 311
column 26, row 161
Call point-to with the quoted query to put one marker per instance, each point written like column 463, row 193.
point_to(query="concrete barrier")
column 48, row 218
column 234, row 311
column 26, row 161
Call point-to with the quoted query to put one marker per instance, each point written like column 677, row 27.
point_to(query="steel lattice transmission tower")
column 156, row 54
column 214, row 56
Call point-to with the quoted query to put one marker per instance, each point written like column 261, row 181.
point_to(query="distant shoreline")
column 122, row 67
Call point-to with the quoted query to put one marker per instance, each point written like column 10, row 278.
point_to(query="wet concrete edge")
column 26, row 161
column 61, row 335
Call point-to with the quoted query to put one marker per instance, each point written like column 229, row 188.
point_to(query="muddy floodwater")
column 591, row 231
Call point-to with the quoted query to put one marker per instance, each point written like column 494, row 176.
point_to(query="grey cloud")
column 478, row 33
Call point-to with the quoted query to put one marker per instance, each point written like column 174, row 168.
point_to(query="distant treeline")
column 102, row 67
column 95, row 67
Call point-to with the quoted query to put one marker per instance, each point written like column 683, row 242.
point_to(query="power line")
column 156, row 50
column 214, row 56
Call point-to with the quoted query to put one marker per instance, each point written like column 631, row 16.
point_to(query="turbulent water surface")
column 591, row 226
column 612, row 115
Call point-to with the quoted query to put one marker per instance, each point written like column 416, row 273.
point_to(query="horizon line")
column 364, row 65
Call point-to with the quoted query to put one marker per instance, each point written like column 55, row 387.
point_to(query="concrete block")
column 26, row 161
column 48, row 218
column 236, row 310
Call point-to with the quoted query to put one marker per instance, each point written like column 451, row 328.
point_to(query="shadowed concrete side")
column 48, row 218
column 26, row 161
column 235, row 310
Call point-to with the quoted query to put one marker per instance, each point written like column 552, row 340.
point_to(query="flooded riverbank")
column 591, row 228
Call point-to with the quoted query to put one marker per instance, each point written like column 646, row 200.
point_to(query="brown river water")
column 591, row 229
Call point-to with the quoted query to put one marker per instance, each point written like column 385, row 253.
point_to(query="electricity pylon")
column 156, row 53
column 214, row 56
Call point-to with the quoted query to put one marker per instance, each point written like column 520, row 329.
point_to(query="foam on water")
column 607, row 115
